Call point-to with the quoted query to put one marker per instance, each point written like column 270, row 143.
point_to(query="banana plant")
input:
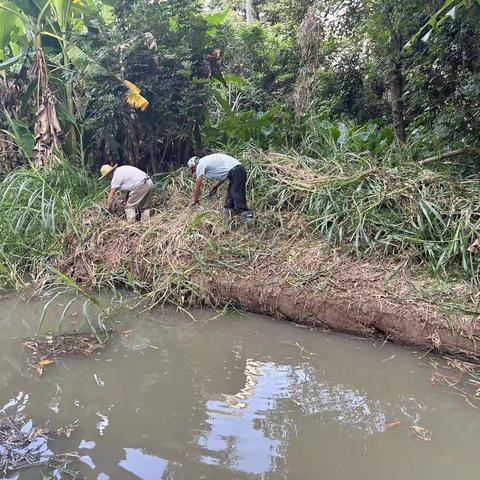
column 23, row 26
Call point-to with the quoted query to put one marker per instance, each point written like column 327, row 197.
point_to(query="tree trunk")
column 249, row 10
column 396, row 90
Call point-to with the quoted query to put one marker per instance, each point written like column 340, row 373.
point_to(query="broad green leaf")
column 65, row 115
column 107, row 14
column 218, row 18
column 7, row 23
column 81, row 60
column 62, row 11
column 233, row 79
column 173, row 22
column 222, row 101
column 11, row 61
column 20, row 134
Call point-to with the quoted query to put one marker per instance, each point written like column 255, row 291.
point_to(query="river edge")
column 282, row 270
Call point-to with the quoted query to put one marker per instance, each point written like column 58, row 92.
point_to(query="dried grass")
column 169, row 259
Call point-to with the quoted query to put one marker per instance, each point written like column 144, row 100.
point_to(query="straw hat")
column 106, row 169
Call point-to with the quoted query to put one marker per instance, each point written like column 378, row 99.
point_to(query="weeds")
column 37, row 208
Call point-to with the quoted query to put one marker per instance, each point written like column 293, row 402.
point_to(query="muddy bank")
column 402, row 324
column 282, row 270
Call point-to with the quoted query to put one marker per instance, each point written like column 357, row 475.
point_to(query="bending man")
column 138, row 186
column 222, row 167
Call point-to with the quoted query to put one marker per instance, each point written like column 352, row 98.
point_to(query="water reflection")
column 143, row 465
column 250, row 431
column 20, row 402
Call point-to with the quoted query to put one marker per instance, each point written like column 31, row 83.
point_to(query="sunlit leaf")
column 173, row 22
column 134, row 98
column 427, row 36
column 218, row 18
column 233, row 79
column 7, row 23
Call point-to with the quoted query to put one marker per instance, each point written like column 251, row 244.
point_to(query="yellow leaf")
column 134, row 98
column 131, row 86
column 43, row 363
column 137, row 101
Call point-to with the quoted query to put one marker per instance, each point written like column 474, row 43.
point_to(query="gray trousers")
column 140, row 198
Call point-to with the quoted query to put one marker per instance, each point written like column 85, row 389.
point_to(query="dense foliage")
column 413, row 66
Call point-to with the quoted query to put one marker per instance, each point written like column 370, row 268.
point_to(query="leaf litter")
column 23, row 446
column 44, row 350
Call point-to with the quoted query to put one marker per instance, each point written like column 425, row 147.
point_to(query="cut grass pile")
column 391, row 205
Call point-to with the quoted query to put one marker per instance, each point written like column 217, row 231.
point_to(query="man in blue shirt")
column 221, row 167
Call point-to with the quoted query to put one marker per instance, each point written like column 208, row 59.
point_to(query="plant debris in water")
column 44, row 350
column 421, row 433
column 22, row 445
column 460, row 376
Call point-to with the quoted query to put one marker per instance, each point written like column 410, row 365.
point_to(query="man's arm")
column 111, row 198
column 215, row 188
column 197, row 190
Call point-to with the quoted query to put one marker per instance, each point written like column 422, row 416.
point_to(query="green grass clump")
column 37, row 206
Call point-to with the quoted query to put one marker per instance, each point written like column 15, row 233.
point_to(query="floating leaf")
column 43, row 363
column 395, row 423
column 421, row 433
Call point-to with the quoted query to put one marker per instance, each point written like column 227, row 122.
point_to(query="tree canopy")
column 139, row 82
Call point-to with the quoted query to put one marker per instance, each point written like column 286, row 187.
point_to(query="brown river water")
column 237, row 397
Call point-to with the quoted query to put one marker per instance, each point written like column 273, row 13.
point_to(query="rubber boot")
column 248, row 218
column 131, row 215
column 145, row 215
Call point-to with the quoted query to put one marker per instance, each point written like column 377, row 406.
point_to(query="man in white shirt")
column 136, row 183
column 223, row 167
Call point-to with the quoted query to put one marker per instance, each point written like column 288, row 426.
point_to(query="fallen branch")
column 445, row 156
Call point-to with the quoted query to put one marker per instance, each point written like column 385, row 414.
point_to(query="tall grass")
column 37, row 206
column 388, row 203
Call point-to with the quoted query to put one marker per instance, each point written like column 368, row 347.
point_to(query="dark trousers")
column 236, row 193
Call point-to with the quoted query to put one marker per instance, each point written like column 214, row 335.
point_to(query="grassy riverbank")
column 383, row 233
